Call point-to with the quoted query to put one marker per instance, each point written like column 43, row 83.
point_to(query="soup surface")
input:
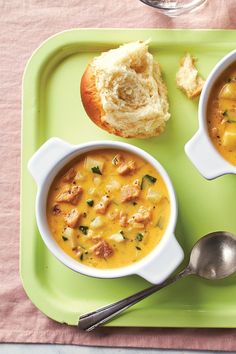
column 221, row 114
column 108, row 208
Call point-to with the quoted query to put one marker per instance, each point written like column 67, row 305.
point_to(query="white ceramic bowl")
column 44, row 166
column 200, row 148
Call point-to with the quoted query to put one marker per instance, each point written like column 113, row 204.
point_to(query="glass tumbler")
column 174, row 7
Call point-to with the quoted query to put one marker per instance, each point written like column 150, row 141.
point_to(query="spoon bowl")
column 214, row 256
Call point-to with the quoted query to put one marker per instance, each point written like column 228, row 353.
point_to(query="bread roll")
column 122, row 92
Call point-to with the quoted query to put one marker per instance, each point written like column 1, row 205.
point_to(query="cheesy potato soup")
column 108, row 208
column 221, row 114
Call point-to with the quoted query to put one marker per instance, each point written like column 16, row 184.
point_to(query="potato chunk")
column 113, row 185
column 154, row 196
column 97, row 222
column 229, row 136
column 90, row 163
column 228, row 91
column 118, row 237
column 71, row 235
column 229, row 115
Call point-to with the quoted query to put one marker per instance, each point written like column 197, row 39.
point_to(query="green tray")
column 52, row 107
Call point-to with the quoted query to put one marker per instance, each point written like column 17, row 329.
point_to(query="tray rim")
column 35, row 64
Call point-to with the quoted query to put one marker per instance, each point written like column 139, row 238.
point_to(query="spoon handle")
column 92, row 320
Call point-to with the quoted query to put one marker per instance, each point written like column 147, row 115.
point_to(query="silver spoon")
column 212, row 257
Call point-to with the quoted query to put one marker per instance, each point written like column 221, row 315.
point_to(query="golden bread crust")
column 91, row 101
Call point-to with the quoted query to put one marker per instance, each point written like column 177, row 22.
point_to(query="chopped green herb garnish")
column 149, row 178
column 138, row 248
column 142, row 184
column 65, row 238
column 139, row 237
column 225, row 113
column 160, row 223
column 81, row 256
column 115, row 160
column 90, row 202
column 96, row 170
column 84, row 229
column 230, row 116
column 122, row 233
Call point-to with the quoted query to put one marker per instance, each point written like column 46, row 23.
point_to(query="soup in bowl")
column 106, row 209
column 221, row 114
column 213, row 148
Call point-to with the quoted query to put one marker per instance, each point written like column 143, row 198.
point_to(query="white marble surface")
column 73, row 349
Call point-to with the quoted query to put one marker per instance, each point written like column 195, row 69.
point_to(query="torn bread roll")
column 188, row 78
column 123, row 92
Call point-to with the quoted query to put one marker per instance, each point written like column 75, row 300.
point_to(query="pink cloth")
column 24, row 25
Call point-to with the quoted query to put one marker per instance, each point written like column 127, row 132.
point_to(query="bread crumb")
column 188, row 78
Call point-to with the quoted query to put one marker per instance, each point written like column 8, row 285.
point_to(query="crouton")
column 69, row 175
column 102, row 250
column 123, row 218
column 126, row 168
column 143, row 215
column 70, row 196
column 102, row 206
column 129, row 192
column 72, row 218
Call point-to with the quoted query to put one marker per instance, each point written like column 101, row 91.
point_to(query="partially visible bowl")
column 45, row 165
column 200, row 148
column 174, row 8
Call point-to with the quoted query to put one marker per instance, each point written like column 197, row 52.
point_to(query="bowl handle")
column 47, row 156
column 169, row 258
column 204, row 156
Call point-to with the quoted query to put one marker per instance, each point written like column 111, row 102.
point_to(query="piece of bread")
column 187, row 77
column 122, row 92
